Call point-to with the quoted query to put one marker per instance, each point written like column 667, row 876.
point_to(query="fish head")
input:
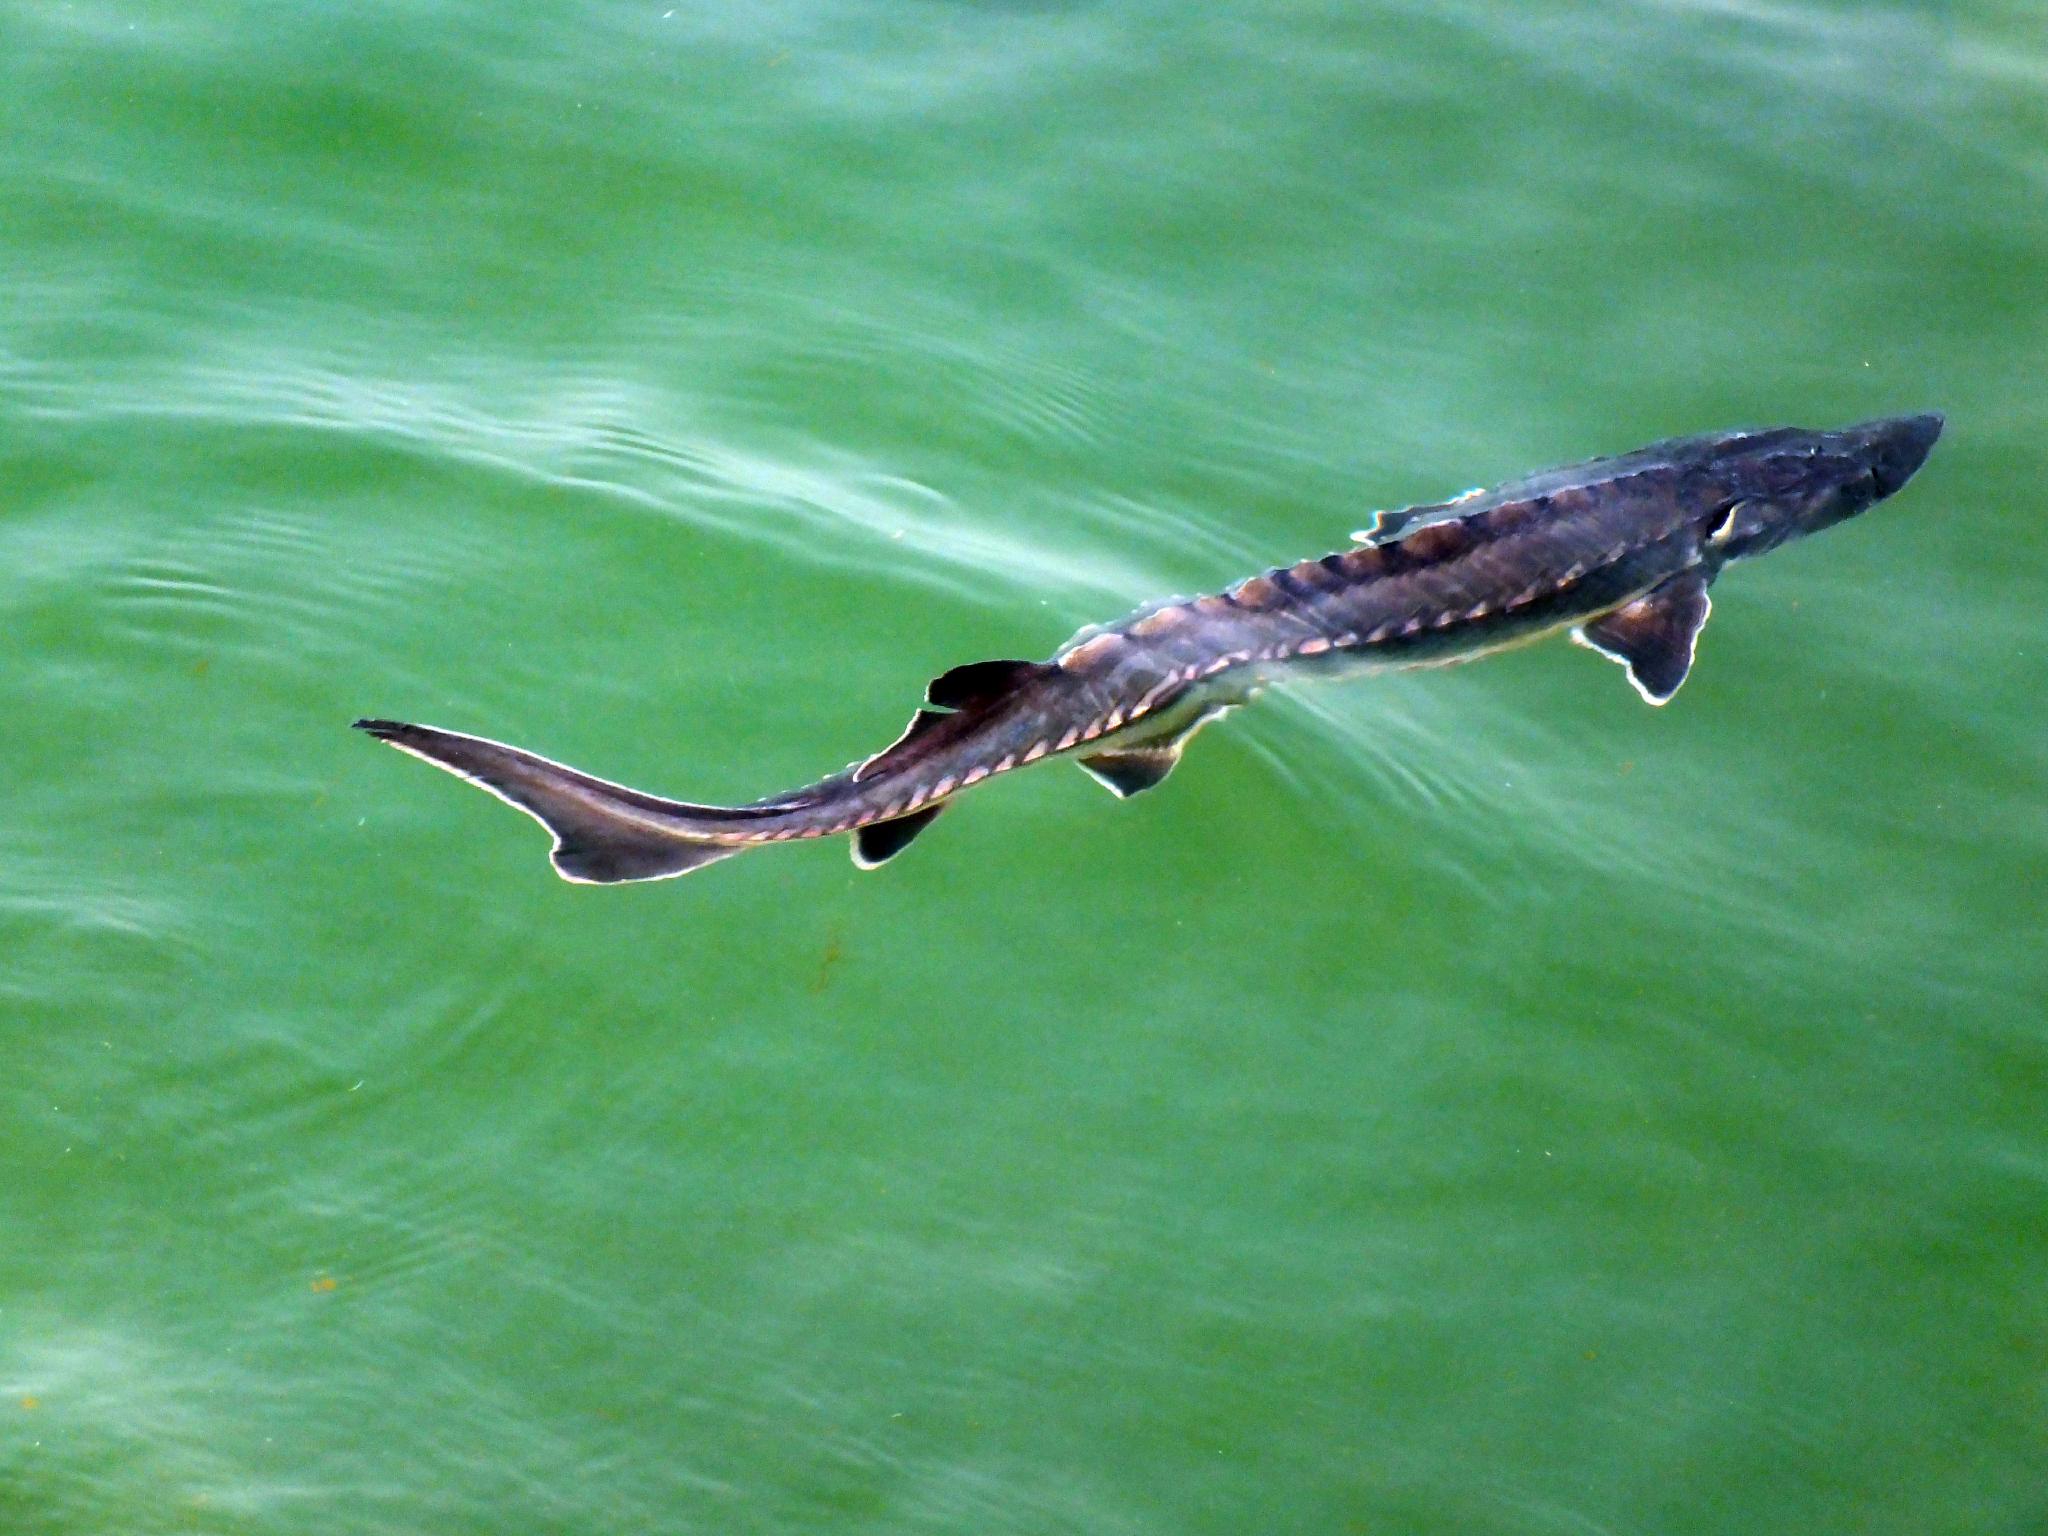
column 1782, row 486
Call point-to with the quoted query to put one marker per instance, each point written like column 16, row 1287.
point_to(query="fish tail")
column 604, row 833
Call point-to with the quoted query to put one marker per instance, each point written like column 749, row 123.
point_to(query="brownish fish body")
column 1619, row 550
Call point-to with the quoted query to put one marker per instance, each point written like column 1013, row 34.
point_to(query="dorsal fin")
column 979, row 682
column 972, row 686
column 1654, row 636
column 922, row 724
column 880, row 841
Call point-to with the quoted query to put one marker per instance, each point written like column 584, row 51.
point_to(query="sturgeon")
column 1621, row 551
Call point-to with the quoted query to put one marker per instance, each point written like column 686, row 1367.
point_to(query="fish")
column 1619, row 551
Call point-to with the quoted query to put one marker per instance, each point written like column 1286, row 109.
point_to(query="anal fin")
column 1655, row 636
column 880, row 841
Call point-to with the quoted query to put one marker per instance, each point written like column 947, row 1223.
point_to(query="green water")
column 1469, row 1102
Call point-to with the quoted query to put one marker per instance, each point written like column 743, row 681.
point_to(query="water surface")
column 1464, row 1102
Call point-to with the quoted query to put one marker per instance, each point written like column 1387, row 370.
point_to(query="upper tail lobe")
column 604, row 833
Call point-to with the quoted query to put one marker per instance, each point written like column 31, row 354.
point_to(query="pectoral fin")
column 1654, row 636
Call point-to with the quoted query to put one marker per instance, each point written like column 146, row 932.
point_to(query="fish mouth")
column 1899, row 447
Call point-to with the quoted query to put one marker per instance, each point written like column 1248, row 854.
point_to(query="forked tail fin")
column 604, row 833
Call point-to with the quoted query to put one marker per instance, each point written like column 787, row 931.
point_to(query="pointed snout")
column 1899, row 447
